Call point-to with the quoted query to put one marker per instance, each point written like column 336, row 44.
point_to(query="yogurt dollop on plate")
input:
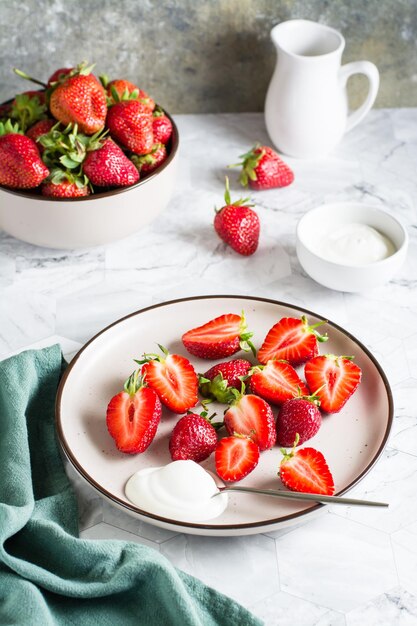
column 181, row 490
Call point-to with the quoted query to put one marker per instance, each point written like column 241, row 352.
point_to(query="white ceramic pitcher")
column 306, row 108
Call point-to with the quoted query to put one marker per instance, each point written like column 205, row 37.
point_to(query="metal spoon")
column 296, row 495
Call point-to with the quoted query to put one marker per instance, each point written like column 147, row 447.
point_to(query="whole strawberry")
column 64, row 189
column 37, row 130
column 262, row 168
column 59, row 75
column 130, row 123
column 20, row 164
column 238, row 225
column 298, row 416
column 162, row 126
column 193, row 437
column 80, row 99
column 108, row 166
column 216, row 382
column 120, row 89
column 147, row 163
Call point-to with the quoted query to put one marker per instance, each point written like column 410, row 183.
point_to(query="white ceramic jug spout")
column 306, row 108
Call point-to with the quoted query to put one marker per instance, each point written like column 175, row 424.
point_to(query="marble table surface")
column 350, row 566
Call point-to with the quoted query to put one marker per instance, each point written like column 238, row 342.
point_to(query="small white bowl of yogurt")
column 350, row 246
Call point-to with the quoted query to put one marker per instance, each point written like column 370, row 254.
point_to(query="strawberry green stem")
column 244, row 337
column 133, row 383
column 27, row 77
column 288, row 455
column 311, row 328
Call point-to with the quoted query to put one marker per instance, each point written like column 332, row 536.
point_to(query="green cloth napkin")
column 48, row 576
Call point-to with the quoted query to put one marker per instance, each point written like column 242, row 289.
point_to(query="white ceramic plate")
column 351, row 440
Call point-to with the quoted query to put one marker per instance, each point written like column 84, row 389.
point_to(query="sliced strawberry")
column 173, row 378
column 235, row 458
column 333, row 379
column 133, row 416
column 219, row 338
column 306, row 470
column 276, row 382
column 292, row 340
column 250, row 415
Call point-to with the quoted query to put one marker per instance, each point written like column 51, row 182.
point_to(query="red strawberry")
column 130, row 123
column 162, row 126
column 335, row 378
column 276, row 382
column 64, row 189
column 20, row 163
column 298, row 416
column 121, row 89
column 251, row 416
column 235, row 458
column 31, row 94
column 80, row 99
column 238, row 225
column 306, row 470
column 216, row 382
column 37, row 130
column 173, row 378
column 147, row 163
column 264, row 169
column 193, row 437
column 219, row 338
column 108, row 166
column 133, row 416
column 291, row 340
column 59, row 74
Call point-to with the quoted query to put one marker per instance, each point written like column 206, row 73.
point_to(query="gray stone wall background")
column 202, row 55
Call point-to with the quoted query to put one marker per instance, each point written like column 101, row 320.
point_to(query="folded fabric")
column 48, row 575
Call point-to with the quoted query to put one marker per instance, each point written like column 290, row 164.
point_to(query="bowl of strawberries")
column 83, row 160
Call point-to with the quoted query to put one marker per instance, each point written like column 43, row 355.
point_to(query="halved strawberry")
column 219, row 338
column 306, row 470
column 173, row 378
column 235, row 457
column 292, row 340
column 250, row 415
column 333, row 379
column 276, row 381
column 133, row 416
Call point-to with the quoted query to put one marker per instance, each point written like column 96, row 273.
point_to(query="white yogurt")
column 181, row 490
column 353, row 244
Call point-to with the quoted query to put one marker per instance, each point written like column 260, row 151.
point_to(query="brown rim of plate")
column 174, row 141
column 269, row 522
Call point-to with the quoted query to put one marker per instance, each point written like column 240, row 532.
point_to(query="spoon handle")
column 312, row 497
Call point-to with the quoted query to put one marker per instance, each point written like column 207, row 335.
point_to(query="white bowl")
column 93, row 220
column 347, row 276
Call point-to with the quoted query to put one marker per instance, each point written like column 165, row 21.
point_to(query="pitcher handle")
column 371, row 72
